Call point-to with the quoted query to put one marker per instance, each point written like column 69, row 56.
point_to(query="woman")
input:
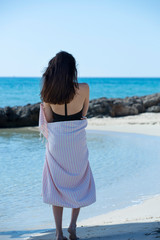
column 67, row 176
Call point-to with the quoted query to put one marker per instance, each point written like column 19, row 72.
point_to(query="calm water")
column 125, row 167
column 21, row 91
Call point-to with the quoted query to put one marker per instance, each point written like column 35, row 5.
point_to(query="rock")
column 151, row 100
column 139, row 107
column 19, row 116
column 28, row 115
column 154, row 109
column 99, row 116
column 3, row 117
column 120, row 109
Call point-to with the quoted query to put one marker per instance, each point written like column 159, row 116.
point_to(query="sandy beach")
column 145, row 123
column 137, row 222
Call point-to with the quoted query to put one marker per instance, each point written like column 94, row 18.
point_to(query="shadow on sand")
column 127, row 231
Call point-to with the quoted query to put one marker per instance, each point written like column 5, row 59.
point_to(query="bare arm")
column 86, row 101
column 48, row 112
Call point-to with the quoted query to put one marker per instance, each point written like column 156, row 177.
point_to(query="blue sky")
column 115, row 38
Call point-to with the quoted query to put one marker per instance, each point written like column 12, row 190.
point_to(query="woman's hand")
column 83, row 117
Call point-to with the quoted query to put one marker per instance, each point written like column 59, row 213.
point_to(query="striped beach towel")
column 67, row 178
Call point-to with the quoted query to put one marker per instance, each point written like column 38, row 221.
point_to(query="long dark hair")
column 59, row 79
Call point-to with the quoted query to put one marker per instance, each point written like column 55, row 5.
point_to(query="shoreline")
column 140, row 221
column 145, row 123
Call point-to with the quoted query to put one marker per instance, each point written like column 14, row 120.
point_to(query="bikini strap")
column 65, row 109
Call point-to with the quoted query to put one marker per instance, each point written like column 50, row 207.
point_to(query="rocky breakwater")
column 28, row 115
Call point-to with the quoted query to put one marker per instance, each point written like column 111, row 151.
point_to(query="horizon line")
column 82, row 77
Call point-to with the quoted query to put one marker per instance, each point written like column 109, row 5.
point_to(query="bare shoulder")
column 84, row 90
column 84, row 87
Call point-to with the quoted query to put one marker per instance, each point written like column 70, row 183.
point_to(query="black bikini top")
column 58, row 117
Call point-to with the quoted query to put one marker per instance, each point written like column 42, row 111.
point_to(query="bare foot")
column 72, row 232
column 61, row 237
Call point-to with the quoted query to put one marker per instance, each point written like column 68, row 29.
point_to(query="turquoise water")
column 125, row 168
column 21, row 91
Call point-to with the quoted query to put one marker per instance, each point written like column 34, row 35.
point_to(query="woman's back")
column 66, row 117
column 75, row 109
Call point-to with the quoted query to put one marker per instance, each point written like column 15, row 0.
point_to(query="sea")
column 125, row 166
column 19, row 91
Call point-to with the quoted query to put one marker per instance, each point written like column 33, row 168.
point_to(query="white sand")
column 145, row 123
column 137, row 222
column 128, row 223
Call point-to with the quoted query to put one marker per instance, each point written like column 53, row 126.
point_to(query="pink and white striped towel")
column 67, row 178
